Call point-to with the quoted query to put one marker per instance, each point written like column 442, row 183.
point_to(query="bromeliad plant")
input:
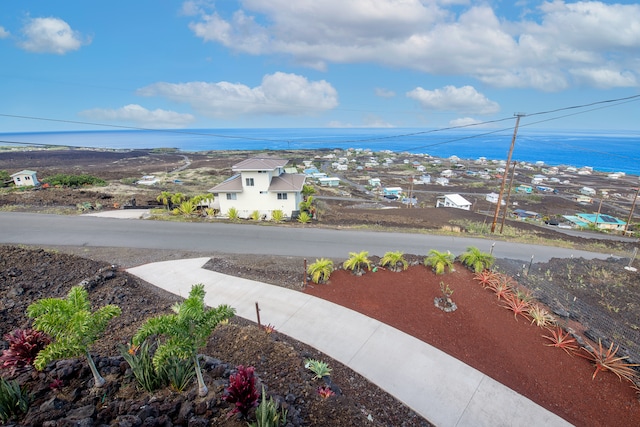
column 185, row 331
column 318, row 367
column 518, row 305
column 476, row 260
column 440, row 262
column 394, row 261
column 24, row 346
column 72, row 326
column 321, row 270
column 541, row 316
column 357, row 262
column 606, row 360
column 241, row 391
column 562, row 339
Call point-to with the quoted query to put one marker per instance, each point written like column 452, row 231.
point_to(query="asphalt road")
column 309, row 242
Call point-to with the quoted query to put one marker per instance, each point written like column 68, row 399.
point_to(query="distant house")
column 260, row 184
column 523, row 214
column 375, row 182
column 600, row 221
column 493, row 198
column 527, row 189
column 25, row 178
column 442, row 181
column 329, row 181
column 588, row 191
column 388, row 191
column 453, row 201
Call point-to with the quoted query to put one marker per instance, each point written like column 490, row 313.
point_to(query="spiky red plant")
column 485, row 278
column 562, row 339
column 606, row 360
column 517, row 305
column 24, row 346
column 242, row 390
column 325, row 392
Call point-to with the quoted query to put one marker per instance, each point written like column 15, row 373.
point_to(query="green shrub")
column 394, row 261
column 14, row 399
column 320, row 270
column 304, row 217
column 357, row 262
column 267, row 413
column 141, row 363
column 179, row 373
column 439, row 261
column 476, row 260
column 232, row 213
column 318, row 367
column 64, row 180
column 277, row 215
column 255, row 215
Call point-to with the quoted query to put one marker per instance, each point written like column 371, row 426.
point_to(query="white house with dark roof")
column 453, row 201
column 25, row 178
column 260, row 184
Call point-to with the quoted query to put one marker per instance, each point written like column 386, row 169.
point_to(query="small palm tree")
column 320, row 270
column 232, row 213
column 357, row 262
column 178, row 198
column 185, row 331
column 165, row 199
column 394, row 261
column 439, row 261
column 186, row 208
column 72, row 326
column 304, row 217
column 477, row 260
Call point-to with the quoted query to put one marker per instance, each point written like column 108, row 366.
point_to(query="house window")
column 264, row 192
column 249, row 182
column 282, row 196
column 18, row 178
column 232, row 196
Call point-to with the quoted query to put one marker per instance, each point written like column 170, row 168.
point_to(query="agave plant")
column 541, row 316
column 184, row 331
column 440, row 262
column 304, row 217
column 606, row 360
column 255, row 215
column 277, row 215
column 477, row 260
column 357, row 262
column 394, row 261
column 72, row 326
column 517, row 305
column 562, row 339
column 486, row 278
column 318, row 367
column 233, row 214
column 321, row 270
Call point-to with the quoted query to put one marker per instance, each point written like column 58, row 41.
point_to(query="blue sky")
column 309, row 63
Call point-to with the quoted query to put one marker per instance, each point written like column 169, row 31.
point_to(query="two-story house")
column 260, row 184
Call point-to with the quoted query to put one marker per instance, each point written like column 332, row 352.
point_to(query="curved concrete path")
column 437, row 386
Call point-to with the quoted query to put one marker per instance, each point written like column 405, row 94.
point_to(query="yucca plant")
column 562, row 339
column 14, row 400
column 304, row 217
column 255, row 215
column 394, row 261
column 321, row 270
column 476, row 260
column 268, row 414
column 606, row 360
column 233, row 214
column 357, row 262
column 184, row 331
column 72, row 326
column 440, row 262
column 185, row 208
column 277, row 215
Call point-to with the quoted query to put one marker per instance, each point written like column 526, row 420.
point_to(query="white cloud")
column 450, row 98
column 384, row 93
column 540, row 50
column 3, row 33
column 463, row 121
column 279, row 93
column 50, row 35
column 156, row 119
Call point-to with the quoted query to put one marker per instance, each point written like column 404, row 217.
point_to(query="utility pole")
column 506, row 169
column 506, row 204
column 633, row 206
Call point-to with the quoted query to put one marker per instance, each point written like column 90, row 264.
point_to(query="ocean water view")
column 603, row 151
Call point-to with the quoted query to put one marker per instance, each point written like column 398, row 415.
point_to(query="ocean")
column 603, row 151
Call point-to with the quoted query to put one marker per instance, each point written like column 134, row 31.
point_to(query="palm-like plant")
column 440, row 262
column 277, row 215
column 476, row 260
column 395, row 261
column 165, row 199
column 320, row 270
column 308, row 190
column 304, row 217
column 186, row 208
column 255, row 215
column 185, row 331
column 178, row 198
column 72, row 326
column 606, row 360
column 357, row 262
column 233, row 214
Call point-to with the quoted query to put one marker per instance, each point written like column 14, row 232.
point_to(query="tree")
column 357, row 262
column 165, row 199
column 178, row 198
column 439, row 261
column 394, row 261
column 4, row 178
column 72, row 326
column 320, row 270
column 477, row 260
column 307, row 191
column 185, row 331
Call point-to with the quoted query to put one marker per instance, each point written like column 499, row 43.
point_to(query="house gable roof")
column 259, row 164
column 24, row 172
column 457, row 199
column 287, row 182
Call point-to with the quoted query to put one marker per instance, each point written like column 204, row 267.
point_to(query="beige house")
column 25, row 178
column 260, row 184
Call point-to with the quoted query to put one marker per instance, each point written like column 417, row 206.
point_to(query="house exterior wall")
column 25, row 179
